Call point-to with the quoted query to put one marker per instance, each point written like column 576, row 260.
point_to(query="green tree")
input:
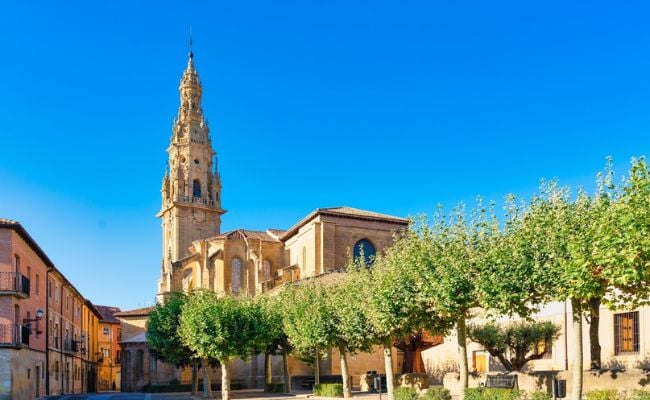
column 392, row 287
column 596, row 247
column 351, row 330
column 307, row 320
column 279, row 342
column 223, row 328
column 163, row 337
column 516, row 343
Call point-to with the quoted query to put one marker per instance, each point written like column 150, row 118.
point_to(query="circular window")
column 196, row 161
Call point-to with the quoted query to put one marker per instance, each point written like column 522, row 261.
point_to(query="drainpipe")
column 566, row 345
column 47, row 331
column 73, row 357
column 62, row 365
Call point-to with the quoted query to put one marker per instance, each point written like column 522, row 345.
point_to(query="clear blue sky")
column 388, row 106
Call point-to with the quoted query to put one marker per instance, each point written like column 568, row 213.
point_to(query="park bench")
column 502, row 381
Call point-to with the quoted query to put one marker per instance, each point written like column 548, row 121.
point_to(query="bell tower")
column 191, row 187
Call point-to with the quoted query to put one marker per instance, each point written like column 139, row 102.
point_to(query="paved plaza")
column 239, row 394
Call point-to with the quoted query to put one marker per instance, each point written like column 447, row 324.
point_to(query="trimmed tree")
column 392, row 300
column 351, row 330
column 279, row 342
column 223, row 328
column 307, row 320
column 597, row 249
column 163, row 337
column 516, row 343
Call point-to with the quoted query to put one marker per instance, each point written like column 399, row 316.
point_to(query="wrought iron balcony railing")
column 14, row 283
column 12, row 335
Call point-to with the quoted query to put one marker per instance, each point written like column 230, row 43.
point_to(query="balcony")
column 285, row 275
column 196, row 200
column 15, row 284
column 12, row 335
column 70, row 345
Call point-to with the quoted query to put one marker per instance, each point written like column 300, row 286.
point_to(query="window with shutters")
column 626, row 333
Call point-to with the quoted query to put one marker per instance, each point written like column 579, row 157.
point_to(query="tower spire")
column 191, row 53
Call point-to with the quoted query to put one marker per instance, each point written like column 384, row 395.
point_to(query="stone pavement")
column 236, row 394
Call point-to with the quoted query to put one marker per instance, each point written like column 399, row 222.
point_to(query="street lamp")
column 28, row 322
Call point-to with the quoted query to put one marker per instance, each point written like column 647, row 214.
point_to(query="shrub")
column 328, row 390
column 539, row 395
column 437, row 393
column 405, row 393
column 493, row 394
column 640, row 395
column 609, row 394
column 174, row 382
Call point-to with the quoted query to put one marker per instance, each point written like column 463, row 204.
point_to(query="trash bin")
column 560, row 388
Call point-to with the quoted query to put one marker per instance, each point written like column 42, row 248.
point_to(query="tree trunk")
column 409, row 360
column 461, row 329
column 347, row 385
column 576, row 392
column 207, row 385
column 287, row 376
column 268, row 372
column 594, row 339
column 195, row 378
column 388, row 366
column 225, row 380
column 316, row 366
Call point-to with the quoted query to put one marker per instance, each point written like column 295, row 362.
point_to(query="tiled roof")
column 137, row 312
column 22, row 232
column 347, row 212
column 276, row 233
column 248, row 234
column 107, row 313
column 139, row 338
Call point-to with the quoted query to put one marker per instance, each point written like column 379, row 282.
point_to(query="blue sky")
column 388, row 106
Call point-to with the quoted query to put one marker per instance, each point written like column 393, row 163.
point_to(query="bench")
column 502, row 381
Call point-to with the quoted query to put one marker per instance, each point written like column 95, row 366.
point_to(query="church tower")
column 191, row 188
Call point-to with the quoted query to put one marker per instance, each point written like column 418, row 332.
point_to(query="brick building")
column 108, row 340
column 46, row 326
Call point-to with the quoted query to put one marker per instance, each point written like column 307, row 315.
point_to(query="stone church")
column 196, row 254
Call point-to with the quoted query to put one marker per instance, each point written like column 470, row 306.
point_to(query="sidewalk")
column 252, row 394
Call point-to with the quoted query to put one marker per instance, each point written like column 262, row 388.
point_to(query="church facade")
column 196, row 254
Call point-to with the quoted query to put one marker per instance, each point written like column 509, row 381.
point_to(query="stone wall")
column 628, row 380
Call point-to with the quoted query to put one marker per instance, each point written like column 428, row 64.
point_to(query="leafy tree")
column 279, row 342
column 596, row 248
column 307, row 320
column 393, row 304
column 163, row 338
column 516, row 343
column 350, row 328
column 223, row 328
column 476, row 263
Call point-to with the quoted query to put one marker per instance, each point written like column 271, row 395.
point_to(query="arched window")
column 236, row 275
column 139, row 363
column 153, row 364
column 126, row 363
column 196, row 188
column 364, row 248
